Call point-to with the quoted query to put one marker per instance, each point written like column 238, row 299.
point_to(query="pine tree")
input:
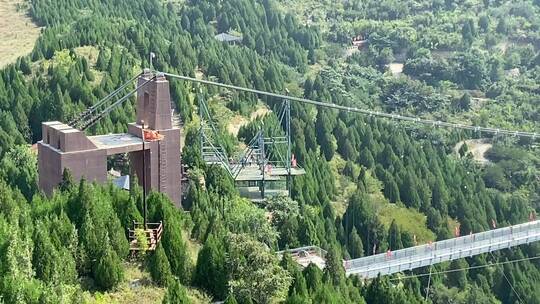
column 440, row 197
column 172, row 241
column 408, row 191
column 356, row 248
column 465, row 102
column 176, row 294
column 324, row 135
column 394, row 236
column 483, row 23
column 467, row 34
column 159, row 267
column 25, row 66
column 458, row 276
column 210, row 271
column 108, row 270
column 231, row 300
column 502, row 26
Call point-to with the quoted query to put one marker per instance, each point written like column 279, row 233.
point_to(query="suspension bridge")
column 267, row 158
column 392, row 262
column 397, row 261
column 261, row 163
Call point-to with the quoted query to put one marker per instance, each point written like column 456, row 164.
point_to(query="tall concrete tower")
column 86, row 156
column 162, row 158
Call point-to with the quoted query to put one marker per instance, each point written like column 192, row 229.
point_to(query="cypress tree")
column 160, row 269
column 391, row 190
column 394, row 236
column 313, row 277
column 366, row 159
column 108, row 270
column 334, row 272
column 210, row 271
column 231, row 300
column 176, row 294
column 457, row 277
column 44, row 255
column 102, row 60
column 356, row 248
column 67, row 180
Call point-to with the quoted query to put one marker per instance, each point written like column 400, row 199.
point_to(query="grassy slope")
column 137, row 287
column 91, row 54
column 407, row 219
column 17, row 32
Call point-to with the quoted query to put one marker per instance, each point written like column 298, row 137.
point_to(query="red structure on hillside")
column 66, row 147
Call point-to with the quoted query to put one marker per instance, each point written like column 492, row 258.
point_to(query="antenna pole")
column 143, row 174
column 152, row 56
column 263, row 163
column 288, row 130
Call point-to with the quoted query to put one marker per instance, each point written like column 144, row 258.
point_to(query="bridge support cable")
column 289, row 146
column 212, row 151
column 508, row 281
column 420, row 275
column 97, row 117
column 88, row 112
column 264, row 163
column 371, row 113
column 428, row 282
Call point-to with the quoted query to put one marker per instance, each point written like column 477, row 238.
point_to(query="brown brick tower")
column 86, row 156
column 163, row 168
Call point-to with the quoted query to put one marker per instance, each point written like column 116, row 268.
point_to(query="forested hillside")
column 371, row 185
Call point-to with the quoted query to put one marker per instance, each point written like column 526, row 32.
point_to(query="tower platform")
column 118, row 143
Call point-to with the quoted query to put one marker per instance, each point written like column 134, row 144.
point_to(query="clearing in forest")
column 477, row 147
column 396, row 68
column 18, row 33
column 238, row 120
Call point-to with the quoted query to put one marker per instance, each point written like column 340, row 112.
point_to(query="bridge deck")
column 448, row 250
column 254, row 173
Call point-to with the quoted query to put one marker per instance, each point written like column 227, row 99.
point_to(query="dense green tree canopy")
column 473, row 62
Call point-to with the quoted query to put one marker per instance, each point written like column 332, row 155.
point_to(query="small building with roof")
column 228, row 38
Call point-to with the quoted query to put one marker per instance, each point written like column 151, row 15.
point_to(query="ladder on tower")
column 162, row 165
